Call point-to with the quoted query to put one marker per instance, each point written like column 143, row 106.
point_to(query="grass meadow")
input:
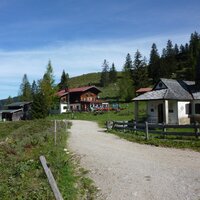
column 21, row 173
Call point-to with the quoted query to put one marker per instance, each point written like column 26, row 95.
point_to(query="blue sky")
column 77, row 35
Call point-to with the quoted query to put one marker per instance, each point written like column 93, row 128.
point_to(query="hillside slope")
column 109, row 92
column 85, row 80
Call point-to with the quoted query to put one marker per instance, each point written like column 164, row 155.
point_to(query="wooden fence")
column 162, row 129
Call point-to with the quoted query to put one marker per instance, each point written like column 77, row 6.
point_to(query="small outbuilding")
column 171, row 102
column 16, row 111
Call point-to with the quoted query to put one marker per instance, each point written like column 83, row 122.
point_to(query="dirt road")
column 128, row 171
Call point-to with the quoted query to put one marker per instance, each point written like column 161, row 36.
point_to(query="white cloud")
column 76, row 58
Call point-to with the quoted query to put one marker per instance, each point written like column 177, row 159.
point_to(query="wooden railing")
column 163, row 129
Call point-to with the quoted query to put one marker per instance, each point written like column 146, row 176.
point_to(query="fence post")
column 124, row 126
column 196, row 129
column 135, row 126
column 108, row 125
column 164, row 129
column 55, row 130
column 113, row 125
column 147, row 130
column 66, row 123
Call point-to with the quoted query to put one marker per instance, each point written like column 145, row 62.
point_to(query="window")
column 197, row 108
column 152, row 110
column 188, row 108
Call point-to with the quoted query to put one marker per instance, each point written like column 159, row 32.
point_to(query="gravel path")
column 128, row 171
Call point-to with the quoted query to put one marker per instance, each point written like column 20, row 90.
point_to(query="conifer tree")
column 126, row 89
column 25, row 89
column 193, row 49
column 34, row 88
column 140, row 74
column 105, row 74
column 197, row 70
column 128, row 66
column 154, row 70
column 168, row 63
column 113, row 74
column 176, row 49
column 39, row 107
column 64, row 81
column 44, row 97
column 48, row 88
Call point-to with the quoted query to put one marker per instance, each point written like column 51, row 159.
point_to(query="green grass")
column 22, row 176
column 125, row 114
column 157, row 140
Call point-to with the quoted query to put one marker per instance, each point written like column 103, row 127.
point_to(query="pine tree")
column 64, row 81
column 197, row 74
column 194, row 49
column 182, row 49
column 47, row 87
column 128, row 66
column 34, row 88
column 126, row 89
column 25, row 89
column 113, row 74
column 176, row 49
column 154, row 70
column 169, row 49
column 104, row 81
column 140, row 74
column 168, row 64
column 39, row 108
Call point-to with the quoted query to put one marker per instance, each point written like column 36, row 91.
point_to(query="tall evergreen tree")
column 47, row 90
column 168, row 62
column 64, row 81
column 169, row 49
column 140, row 74
column 39, row 107
column 25, row 89
column 154, row 70
column 197, row 74
column 128, row 66
column 194, row 45
column 113, row 74
column 48, row 87
column 34, row 88
column 194, row 49
column 182, row 49
column 105, row 74
column 176, row 49
column 126, row 89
